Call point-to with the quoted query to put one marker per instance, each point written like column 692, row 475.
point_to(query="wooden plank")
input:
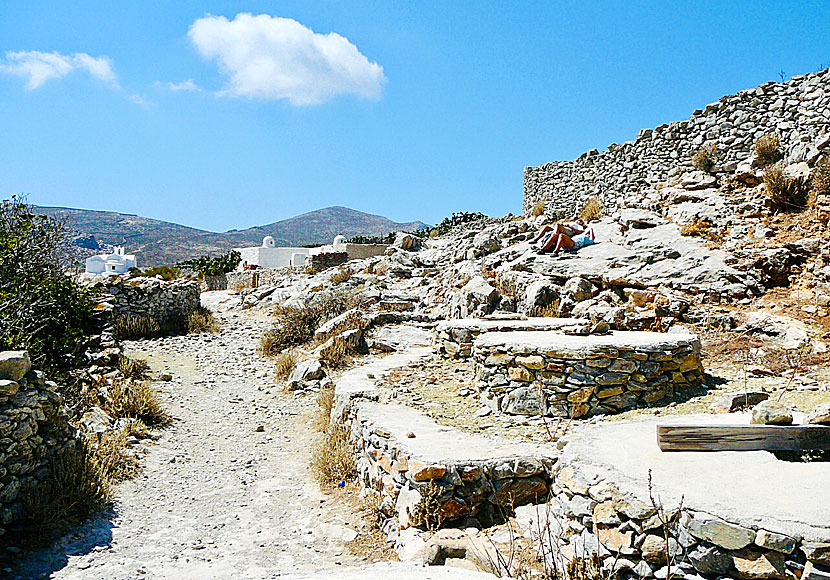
column 742, row 437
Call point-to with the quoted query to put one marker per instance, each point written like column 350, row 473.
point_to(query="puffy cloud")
column 39, row 67
column 267, row 57
column 187, row 85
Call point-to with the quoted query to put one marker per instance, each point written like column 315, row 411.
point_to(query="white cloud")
column 39, row 67
column 267, row 57
column 187, row 85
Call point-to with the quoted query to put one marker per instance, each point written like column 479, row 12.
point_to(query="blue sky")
column 410, row 110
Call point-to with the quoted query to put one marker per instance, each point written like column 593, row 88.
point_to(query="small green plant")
column 427, row 513
column 592, row 210
column 214, row 266
column 706, row 158
column 133, row 326
column 784, row 193
column 821, row 177
column 136, row 400
column 767, row 149
column 332, row 459
column 201, row 321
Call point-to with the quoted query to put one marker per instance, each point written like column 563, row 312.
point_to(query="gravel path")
column 226, row 492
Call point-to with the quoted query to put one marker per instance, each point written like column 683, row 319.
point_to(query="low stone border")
column 401, row 451
column 454, row 338
column 577, row 376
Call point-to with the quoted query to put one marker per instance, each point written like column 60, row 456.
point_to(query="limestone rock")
column 818, row 552
column 717, row 531
column 754, row 565
column 96, row 420
column 539, row 294
column 486, row 243
column 14, row 364
column 773, row 541
column 735, row 401
column 710, row 560
column 476, row 298
column 8, row 388
column 771, row 413
column 820, row 415
column 406, row 241
column 813, row 572
column 307, row 370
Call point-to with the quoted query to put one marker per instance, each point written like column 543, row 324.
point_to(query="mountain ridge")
column 157, row 242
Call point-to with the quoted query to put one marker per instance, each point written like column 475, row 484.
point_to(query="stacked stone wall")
column 798, row 111
column 158, row 299
column 630, row 536
column 33, row 426
column 565, row 381
column 255, row 278
column 319, row 262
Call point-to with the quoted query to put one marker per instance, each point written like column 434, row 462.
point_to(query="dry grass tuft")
column 325, row 403
column 592, row 210
column 785, row 194
column 702, row 228
column 133, row 326
column 113, row 459
column 549, row 311
column 342, row 275
column 706, row 158
column 202, row 321
column 821, row 177
column 137, row 369
column 332, row 459
column 285, row 363
column 427, row 512
column 538, row 209
column 767, row 149
column 136, row 400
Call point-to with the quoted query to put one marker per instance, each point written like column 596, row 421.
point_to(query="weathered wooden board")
column 742, row 437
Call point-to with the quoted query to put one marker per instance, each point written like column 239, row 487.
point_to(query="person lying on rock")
column 572, row 244
column 551, row 233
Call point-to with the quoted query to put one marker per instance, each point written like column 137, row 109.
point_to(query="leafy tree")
column 216, row 266
column 42, row 309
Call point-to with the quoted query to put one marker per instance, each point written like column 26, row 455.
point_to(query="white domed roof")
column 268, row 242
column 339, row 240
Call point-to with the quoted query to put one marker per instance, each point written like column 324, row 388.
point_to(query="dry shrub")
column 342, row 275
column 592, row 210
column 382, row 269
column 113, row 459
column 427, row 513
column 73, row 490
column 136, row 400
column 201, row 321
column 137, row 369
column 706, row 157
column 325, row 403
column 332, row 459
column 138, row 429
column 132, row 326
column 488, row 274
column 767, row 149
column 785, row 194
column 549, row 311
column 538, row 208
column 821, row 177
column 337, row 355
column 699, row 227
column 285, row 363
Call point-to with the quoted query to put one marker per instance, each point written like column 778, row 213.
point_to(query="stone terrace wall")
column 150, row 297
column 33, row 424
column 255, row 278
column 628, row 535
column 798, row 111
column 578, row 376
column 454, row 338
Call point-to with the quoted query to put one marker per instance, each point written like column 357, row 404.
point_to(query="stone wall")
column 454, row 338
column 33, row 424
column 255, row 278
column 159, row 299
column 472, row 491
column 578, row 376
column 798, row 111
column 319, row 262
column 629, row 535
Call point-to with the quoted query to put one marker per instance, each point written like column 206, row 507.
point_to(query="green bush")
column 785, row 194
column 166, row 272
column 767, row 149
column 214, row 266
column 42, row 309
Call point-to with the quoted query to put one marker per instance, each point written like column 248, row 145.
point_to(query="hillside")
column 160, row 242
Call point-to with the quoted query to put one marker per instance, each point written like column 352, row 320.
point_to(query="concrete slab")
column 440, row 444
column 505, row 325
column 539, row 341
column 751, row 488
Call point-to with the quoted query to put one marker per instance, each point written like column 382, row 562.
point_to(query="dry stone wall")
column 158, row 299
column 529, row 373
column 629, row 535
column 798, row 111
column 454, row 338
column 33, row 425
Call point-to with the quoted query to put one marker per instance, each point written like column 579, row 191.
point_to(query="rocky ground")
column 226, row 492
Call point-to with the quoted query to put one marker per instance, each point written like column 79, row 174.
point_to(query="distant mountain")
column 158, row 242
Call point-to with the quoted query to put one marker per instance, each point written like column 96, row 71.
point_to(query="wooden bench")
column 743, row 437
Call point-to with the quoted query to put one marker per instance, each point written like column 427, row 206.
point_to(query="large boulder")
column 307, row 370
column 406, row 241
column 486, row 242
column 540, row 294
column 14, row 364
column 476, row 298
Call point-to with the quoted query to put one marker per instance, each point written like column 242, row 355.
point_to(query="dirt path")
column 218, row 497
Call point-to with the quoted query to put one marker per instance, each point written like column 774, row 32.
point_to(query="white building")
column 268, row 255
column 113, row 264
